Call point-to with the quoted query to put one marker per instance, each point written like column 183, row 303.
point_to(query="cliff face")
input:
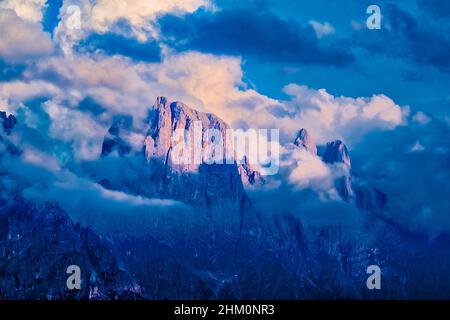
column 304, row 140
column 350, row 187
column 38, row 241
column 216, row 189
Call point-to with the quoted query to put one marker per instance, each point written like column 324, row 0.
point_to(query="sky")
column 68, row 68
column 278, row 45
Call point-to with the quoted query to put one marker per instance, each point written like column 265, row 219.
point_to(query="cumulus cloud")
column 14, row 93
column 22, row 40
column 328, row 117
column 137, row 12
column 31, row 10
column 132, row 18
column 112, row 82
column 309, row 171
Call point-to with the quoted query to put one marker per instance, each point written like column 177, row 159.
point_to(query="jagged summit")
column 8, row 121
column 336, row 152
column 164, row 118
column 304, row 140
column 215, row 188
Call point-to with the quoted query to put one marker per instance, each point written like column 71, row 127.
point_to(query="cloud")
column 112, row 82
column 411, row 165
column 112, row 44
column 20, row 91
column 305, row 186
column 309, row 171
column 407, row 36
column 272, row 39
column 421, row 118
column 328, row 117
column 75, row 128
column 22, row 40
column 137, row 12
column 31, row 10
column 322, row 29
column 131, row 18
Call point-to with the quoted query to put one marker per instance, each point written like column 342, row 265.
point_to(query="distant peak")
column 336, row 152
column 304, row 140
column 161, row 100
column 8, row 121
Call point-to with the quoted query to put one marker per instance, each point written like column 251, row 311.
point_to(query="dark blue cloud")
column 90, row 105
column 251, row 33
column 111, row 44
column 410, row 164
column 405, row 35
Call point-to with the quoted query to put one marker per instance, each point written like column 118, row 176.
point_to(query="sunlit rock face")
column 216, row 188
column 305, row 141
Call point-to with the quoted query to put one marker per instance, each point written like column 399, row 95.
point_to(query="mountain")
column 8, row 121
column 305, row 141
column 336, row 152
column 219, row 247
column 38, row 241
column 350, row 187
column 214, row 189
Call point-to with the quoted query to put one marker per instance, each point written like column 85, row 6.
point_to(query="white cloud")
column 25, row 90
column 76, row 128
column 22, row 40
column 103, row 16
column 310, row 171
column 138, row 13
column 322, row 29
column 26, row 9
column 38, row 158
column 328, row 117
column 113, row 82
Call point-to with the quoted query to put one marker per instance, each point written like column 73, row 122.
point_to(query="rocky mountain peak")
column 336, row 152
column 305, row 141
column 8, row 121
